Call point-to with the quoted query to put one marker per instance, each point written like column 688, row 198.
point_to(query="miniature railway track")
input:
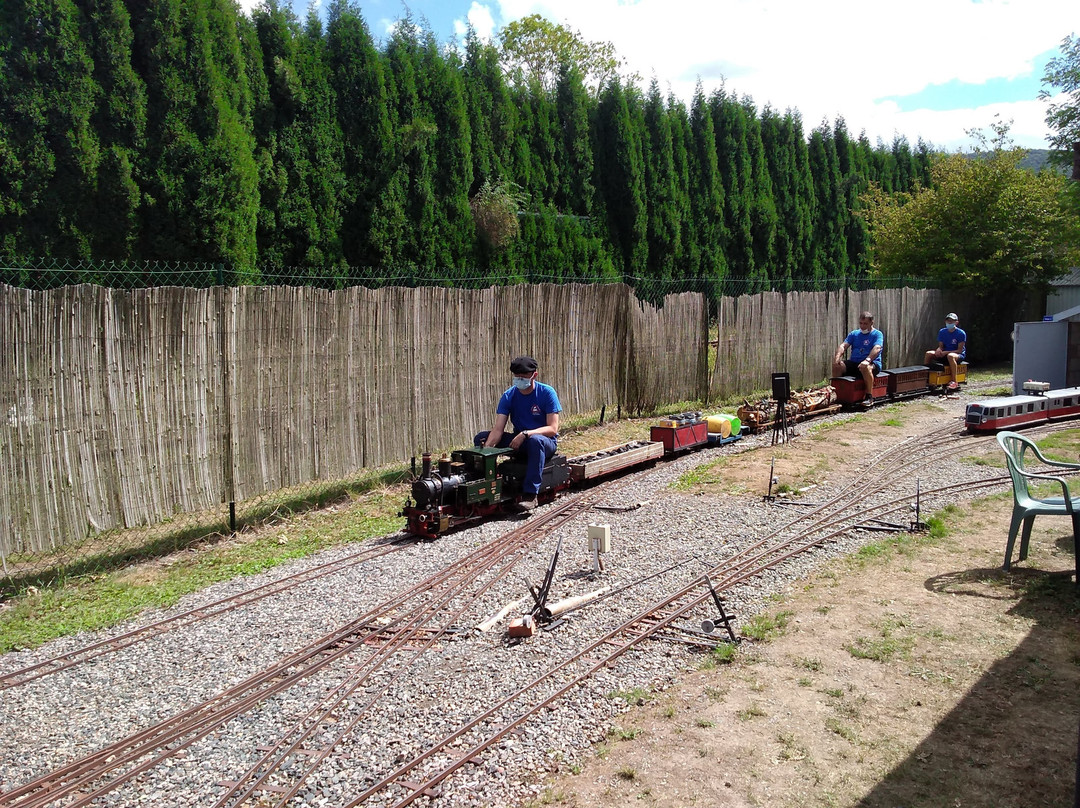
column 403, row 628
column 160, row 627
column 423, row 775
column 390, row 626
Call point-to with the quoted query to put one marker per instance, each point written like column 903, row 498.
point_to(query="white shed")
column 1064, row 293
column 1048, row 351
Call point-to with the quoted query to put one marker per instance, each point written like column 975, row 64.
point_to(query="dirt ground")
column 925, row 676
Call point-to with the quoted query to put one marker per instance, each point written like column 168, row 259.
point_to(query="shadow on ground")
column 1012, row 739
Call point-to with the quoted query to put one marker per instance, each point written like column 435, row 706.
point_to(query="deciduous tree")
column 534, row 49
column 1063, row 74
column 983, row 224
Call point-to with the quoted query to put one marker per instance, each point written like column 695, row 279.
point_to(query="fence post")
column 228, row 478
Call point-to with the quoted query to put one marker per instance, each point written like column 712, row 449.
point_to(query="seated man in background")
column 866, row 344
column 951, row 346
column 534, row 409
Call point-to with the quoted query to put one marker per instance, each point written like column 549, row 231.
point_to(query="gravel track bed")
column 63, row 716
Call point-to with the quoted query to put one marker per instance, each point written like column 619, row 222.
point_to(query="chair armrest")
column 1065, row 495
column 1063, row 465
column 1057, row 463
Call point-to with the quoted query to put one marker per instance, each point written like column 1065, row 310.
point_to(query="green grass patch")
column 884, row 648
column 764, row 627
column 637, row 695
column 705, row 474
column 725, row 653
column 1063, row 446
column 841, row 729
column 1000, row 372
column 902, row 544
column 753, row 711
column 89, row 602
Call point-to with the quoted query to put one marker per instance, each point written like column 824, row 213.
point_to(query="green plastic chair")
column 1026, row 506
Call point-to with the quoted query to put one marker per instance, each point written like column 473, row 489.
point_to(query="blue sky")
column 924, row 68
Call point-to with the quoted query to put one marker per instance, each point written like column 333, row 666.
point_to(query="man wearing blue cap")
column 534, row 409
column 951, row 346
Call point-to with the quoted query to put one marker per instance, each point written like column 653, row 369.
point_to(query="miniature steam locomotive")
column 472, row 484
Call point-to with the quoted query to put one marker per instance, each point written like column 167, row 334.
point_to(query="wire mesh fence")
column 50, row 273
column 140, row 418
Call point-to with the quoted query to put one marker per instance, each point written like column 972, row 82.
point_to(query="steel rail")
column 187, row 727
column 158, row 628
column 275, row 758
column 643, row 626
column 654, row 624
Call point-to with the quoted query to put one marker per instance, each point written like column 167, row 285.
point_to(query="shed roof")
column 1071, row 279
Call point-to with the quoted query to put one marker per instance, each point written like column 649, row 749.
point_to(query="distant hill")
column 1036, row 160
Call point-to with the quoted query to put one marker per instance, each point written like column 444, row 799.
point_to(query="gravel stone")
column 418, row 697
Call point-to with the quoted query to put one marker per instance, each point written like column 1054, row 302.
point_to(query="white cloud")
column 480, row 18
column 831, row 57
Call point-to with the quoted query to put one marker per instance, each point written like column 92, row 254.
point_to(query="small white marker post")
column 599, row 542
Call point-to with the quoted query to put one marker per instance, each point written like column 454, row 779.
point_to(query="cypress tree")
column 443, row 95
column 201, row 192
column 829, row 248
column 779, row 159
column 539, row 133
column 807, row 208
column 686, row 253
column 575, row 191
column 763, row 215
column 119, row 120
column 906, row 168
column 49, row 151
column 620, row 178
column 663, row 224
column 706, row 194
column 356, row 76
column 924, row 160
column 492, row 117
column 733, row 163
column 303, row 179
column 408, row 215
column 853, row 182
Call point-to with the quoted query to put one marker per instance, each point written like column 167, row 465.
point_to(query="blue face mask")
column 951, row 326
column 522, row 384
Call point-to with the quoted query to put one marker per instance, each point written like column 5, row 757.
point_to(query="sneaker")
column 868, row 401
column 527, row 504
column 954, row 386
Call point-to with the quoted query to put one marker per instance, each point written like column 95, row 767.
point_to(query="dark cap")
column 523, row 365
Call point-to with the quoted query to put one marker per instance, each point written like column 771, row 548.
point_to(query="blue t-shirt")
column 952, row 339
column 861, row 344
column 529, row 410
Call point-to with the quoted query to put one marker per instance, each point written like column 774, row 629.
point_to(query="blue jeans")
column 537, row 449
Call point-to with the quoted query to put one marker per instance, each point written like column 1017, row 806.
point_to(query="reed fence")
column 128, row 408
